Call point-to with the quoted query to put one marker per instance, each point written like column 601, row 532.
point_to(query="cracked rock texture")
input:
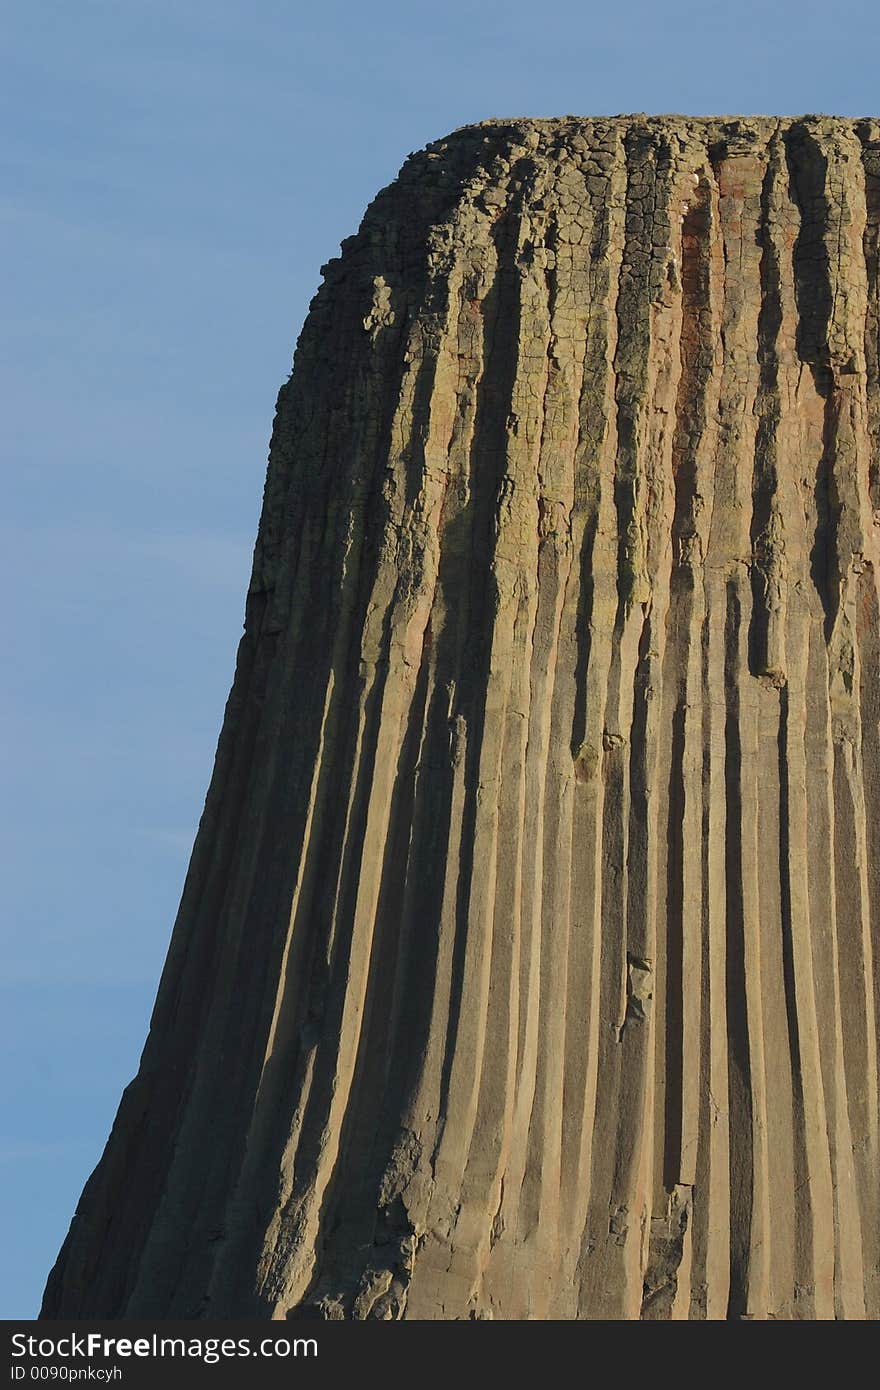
column 526, row 963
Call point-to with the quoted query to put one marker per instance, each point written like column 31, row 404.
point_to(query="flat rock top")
column 585, row 133
column 484, row 149
column 699, row 127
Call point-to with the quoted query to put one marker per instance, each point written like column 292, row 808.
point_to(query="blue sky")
column 174, row 174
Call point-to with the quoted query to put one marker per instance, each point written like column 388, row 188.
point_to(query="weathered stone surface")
column 525, row 966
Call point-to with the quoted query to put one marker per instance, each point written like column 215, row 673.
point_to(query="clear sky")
column 174, row 174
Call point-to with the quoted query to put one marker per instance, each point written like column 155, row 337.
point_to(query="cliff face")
column 526, row 963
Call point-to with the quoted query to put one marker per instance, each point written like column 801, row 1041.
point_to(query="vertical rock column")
column 526, row 962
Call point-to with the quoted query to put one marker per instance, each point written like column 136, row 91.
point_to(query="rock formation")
column 526, row 962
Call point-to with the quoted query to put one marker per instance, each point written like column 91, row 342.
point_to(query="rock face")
column 526, row 963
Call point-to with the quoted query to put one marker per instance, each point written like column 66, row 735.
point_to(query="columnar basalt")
column 526, row 962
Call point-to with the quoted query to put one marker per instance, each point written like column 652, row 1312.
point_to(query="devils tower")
column 526, row 965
